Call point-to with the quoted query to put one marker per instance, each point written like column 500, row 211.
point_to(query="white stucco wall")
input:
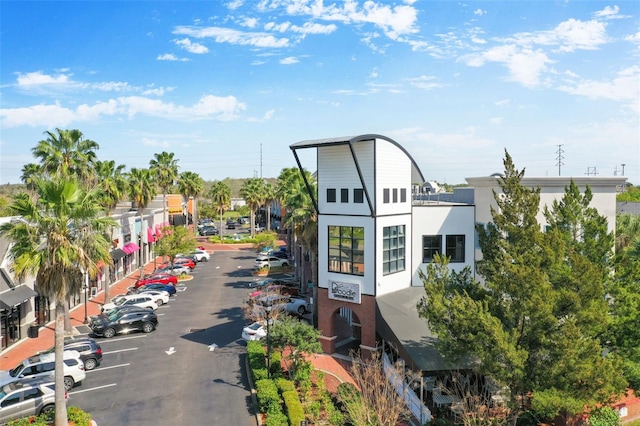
column 442, row 219
column 393, row 171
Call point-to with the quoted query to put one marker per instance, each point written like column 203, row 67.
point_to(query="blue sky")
column 229, row 85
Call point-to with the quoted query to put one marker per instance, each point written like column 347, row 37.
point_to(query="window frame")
column 344, row 195
column 456, row 251
column 358, row 195
column 394, row 253
column 331, row 195
column 349, row 249
column 432, row 248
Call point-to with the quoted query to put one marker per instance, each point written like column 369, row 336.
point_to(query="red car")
column 184, row 261
column 157, row 278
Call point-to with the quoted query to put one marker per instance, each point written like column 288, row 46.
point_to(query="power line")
column 591, row 171
column 559, row 158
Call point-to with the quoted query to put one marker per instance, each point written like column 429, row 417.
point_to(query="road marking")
column 118, row 339
column 92, row 389
column 171, row 351
column 212, row 347
column 109, row 368
column 119, row 350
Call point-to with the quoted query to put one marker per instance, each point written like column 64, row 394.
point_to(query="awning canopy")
column 150, row 235
column 117, row 254
column 397, row 321
column 16, row 296
column 130, row 248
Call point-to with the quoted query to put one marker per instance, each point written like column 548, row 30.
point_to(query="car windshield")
column 255, row 326
column 114, row 316
column 15, row 371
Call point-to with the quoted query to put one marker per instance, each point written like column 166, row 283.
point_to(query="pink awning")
column 130, row 248
column 150, row 236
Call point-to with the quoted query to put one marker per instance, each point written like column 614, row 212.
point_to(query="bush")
column 285, row 385
column 293, row 407
column 604, row 416
column 74, row 414
column 276, row 365
column 276, row 419
column 268, row 396
column 257, row 362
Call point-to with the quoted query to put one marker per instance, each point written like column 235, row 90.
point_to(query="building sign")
column 349, row 292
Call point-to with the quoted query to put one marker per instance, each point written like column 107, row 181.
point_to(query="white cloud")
column 208, row 107
column 113, row 87
column 290, row 60
column 479, row 12
column 170, row 57
column 153, row 142
column 158, row 91
column 249, row 22
column 496, row 120
column 38, row 78
column 225, row 35
column 269, row 114
column 190, row 47
column 424, row 82
column 610, row 13
column 623, row 88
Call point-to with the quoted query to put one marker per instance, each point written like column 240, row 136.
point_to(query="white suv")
column 270, row 261
column 44, row 365
column 140, row 300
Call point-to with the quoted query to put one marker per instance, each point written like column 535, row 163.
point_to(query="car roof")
column 50, row 357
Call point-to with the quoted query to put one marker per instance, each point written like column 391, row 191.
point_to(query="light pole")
column 86, row 317
column 267, row 310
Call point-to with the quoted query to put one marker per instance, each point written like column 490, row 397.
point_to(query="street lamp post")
column 86, row 317
column 267, row 310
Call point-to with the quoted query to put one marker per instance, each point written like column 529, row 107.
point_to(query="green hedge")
column 285, row 385
column 276, row 419
column 268, row 396
column 293, row 407
column 74, row 414
column 257, row 362
column 276, row 365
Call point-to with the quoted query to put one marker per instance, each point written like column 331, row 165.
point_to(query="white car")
column 291, row 304
column 139, row 300
column 174, row 270
column 43, row 366
column 201, row 255
column 255, row 331
column 160, row 296
column 270, row 261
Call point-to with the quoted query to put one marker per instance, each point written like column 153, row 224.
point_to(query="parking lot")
column 191, row 370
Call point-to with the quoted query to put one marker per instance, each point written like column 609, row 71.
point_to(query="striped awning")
column 130, row 248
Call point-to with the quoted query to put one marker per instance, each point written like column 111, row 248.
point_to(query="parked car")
column 294, row 305
column 270, row 261
column 279, row 254
column 124, row 322
column 174, row 270
column 26, row 399
column 89, row 350
column 154, row 286
column 43, row 366
column 243, row 220
column 139, row 300
column 231, row 224
column 160, row 296
column 255, row 331
column 157, row 278
column 208, row 230
column 259, row 228
column 184, row 261
column 275, row 289
column 201, row 254
column 192, row 257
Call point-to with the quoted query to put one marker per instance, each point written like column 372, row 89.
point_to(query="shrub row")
column 257, row 363
column 268, row 396
column 293, row 407
column 76, row 415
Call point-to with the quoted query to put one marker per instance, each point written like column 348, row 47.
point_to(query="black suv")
column 123, row 322
column 90, row 351
column 231, row 224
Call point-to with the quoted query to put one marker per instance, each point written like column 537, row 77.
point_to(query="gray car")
column 26, row 398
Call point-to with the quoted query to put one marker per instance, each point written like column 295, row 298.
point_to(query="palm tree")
column 253, row 193
column 141, row 191
column 30, row 173
column 165, row 171
column 66, row 152
column 220, row 195
column 60, row 236
column 190, row 185
column 302, row 217
column 112, row 183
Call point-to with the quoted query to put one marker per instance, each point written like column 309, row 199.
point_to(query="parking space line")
column 119, row 350
column 119, row 339
column 92, row 389
column 109, row 368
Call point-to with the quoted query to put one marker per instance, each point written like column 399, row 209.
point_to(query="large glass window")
column 393, row 249
column 431, row 245
column 455, row 248
column 346, row 250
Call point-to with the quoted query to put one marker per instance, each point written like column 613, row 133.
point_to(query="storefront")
column 12, row 313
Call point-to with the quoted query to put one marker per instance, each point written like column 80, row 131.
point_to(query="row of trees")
column 557, row 315
column 64, row 228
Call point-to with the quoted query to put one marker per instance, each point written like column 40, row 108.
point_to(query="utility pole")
column 623, row 164
column 559, row 158
column 591, row 171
